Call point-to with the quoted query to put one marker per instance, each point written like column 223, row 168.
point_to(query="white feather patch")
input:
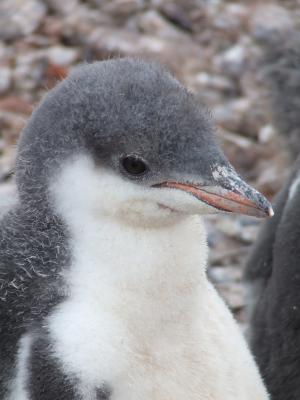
column 141, row 315
column 18, row 384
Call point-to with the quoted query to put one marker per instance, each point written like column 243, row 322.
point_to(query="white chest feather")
column 142, row 318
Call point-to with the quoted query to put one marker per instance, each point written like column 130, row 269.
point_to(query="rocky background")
column 220, row 49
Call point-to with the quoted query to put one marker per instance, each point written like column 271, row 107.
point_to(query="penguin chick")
column 102, row 261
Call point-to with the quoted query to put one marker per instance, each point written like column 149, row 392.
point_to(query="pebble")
column 231, row 115
column 241, row 228
column 5, row 79
column 266, row 133
column 208, row 80
column 152, row 22
column 8, row 197
column 62, row 55
column 226, row 274
column 233, row 293
column 268, row 20
column 233, row 60
column 62, row 6
column 20, row 17
column 120, row 8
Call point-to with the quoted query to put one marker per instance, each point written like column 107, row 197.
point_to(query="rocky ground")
column 217, row 48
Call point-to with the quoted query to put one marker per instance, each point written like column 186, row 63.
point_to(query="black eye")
column 134, row 165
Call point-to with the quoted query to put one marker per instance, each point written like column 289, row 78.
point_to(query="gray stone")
column 106, row 42
column 233, row 60
column 8, row 197
column 268, row 20
column 62, row 55
column 153, row 23
column 208, row 80
column 5, row 79
column 63, row 7
column 20, row 17
column 233, row 293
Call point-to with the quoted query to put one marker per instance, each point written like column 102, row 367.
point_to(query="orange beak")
column 241, row 198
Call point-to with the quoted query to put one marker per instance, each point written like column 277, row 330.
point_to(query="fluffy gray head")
column 134, row 119
column 115, row 108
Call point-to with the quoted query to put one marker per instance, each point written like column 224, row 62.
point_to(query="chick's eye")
column 134, row 165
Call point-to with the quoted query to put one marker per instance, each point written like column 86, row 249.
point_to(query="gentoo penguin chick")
column 102, row 262
column 274, row 279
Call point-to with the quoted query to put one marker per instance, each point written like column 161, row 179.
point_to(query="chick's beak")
column 228, row 192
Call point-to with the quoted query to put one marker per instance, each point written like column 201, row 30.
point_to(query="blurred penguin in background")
column 273, row 269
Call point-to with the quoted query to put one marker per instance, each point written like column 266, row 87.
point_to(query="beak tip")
column 270, row 212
